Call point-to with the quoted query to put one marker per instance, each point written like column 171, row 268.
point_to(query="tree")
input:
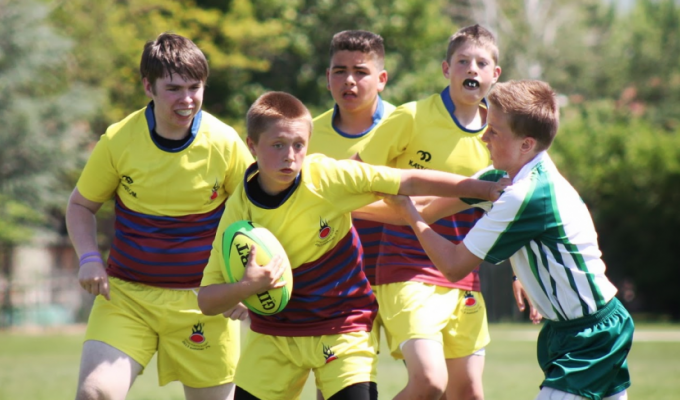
column 43, row 121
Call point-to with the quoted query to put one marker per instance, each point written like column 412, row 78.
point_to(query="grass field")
column 41, row 366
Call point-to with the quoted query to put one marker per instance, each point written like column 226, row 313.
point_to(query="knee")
column 428, row 386
column 90, row 391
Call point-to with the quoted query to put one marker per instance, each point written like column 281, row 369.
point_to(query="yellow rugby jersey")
column 128, row 164
column 425, row 135
column 327, row 139
column 330, row 291
column 168, row 201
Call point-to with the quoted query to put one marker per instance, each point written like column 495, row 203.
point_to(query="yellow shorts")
column 377, row 324
column 198, row 350
column 277, row 367
column 415, row 310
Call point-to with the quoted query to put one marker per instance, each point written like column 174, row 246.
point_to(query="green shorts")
column 587, row 356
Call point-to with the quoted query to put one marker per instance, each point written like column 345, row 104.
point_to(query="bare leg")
column 221, row 392
column 465, row 378
column 426, row 368
column 105, row 372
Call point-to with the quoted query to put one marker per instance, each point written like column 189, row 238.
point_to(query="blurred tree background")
column 69, row 68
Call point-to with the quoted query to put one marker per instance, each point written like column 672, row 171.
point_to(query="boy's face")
column 355, row 80
column 176, row 102
column 280, row 152
column 471, row 72
column 508, row 151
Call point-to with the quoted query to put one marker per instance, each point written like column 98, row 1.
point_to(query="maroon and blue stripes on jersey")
column 330, row 296
column 162, row 251
column 370, row 233
column 403, row 259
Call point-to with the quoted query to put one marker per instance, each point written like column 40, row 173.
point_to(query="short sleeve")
column 99, row 180
column 391, row 137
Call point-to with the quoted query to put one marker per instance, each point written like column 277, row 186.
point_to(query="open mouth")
column 470, row 84
column 184, row 113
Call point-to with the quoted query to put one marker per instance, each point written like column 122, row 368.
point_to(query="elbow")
column 204, row 304
column 452, row 274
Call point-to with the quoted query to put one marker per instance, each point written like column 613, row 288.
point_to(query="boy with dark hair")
column 170, row 168
column 541, row 224
column 326, row 325
column 355, row 77
column 439, row 327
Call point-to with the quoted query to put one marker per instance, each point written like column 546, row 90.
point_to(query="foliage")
column 111, row 36
column 43, row 117
column 416, row 35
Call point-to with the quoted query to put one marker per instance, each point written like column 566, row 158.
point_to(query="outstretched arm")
column 454, row 261
column 418, row 182
column 431, row 208
column 219, row 298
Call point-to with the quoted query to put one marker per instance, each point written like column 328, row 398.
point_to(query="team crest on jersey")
column 471, row 303
column 126, row 181
column 197, row 339
column 326, row 232
column 213, row 192
column 329, row 354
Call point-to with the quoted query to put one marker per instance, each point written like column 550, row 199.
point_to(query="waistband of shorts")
column 589, row 320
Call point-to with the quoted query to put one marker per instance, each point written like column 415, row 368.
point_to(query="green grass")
column 45, row 366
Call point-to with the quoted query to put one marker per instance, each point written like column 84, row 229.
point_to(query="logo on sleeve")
column 127, row 182
column 197, row 340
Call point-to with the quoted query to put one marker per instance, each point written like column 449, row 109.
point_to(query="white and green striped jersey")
column 542, row 225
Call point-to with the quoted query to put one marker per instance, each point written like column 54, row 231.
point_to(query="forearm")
column 216, row 299
column 437, row 183
column 440, row 251
column 81, row 224
column 379, row 212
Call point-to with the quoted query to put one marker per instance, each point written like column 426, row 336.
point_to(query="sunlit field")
column 44, row 365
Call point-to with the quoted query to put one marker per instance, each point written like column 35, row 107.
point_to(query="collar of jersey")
column 451, row 108
column 377, row 116
column 251, row 172
column 151, row 123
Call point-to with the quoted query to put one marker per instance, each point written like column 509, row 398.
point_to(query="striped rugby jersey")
column 330, row 141
column 543, row 226
column 331, row 294
column 168, row 201
column 426, row 134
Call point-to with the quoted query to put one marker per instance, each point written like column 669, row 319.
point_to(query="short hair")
column 172, row 54
column 363, row 41
column 271, row 108
column 531, row 108
column 475, row 34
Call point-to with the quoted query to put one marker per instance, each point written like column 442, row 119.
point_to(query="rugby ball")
column 237, row 241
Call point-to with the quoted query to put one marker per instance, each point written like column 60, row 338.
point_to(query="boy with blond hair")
column 439, row 327
column 327, row 322
column 541, row 224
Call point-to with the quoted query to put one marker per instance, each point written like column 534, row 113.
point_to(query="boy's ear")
column 496, row 74
column 328, row 78
column 148, row 88
column 528, row 144
column 382, row 80
column 251, row 146
column 445, row 69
